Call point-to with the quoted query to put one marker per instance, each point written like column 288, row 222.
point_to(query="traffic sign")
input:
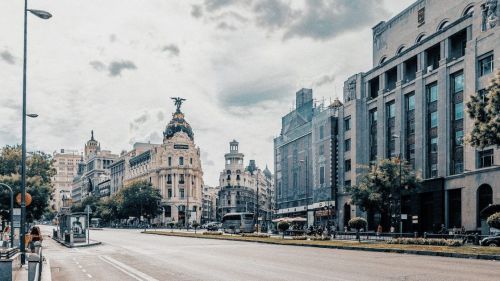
column 88, row 210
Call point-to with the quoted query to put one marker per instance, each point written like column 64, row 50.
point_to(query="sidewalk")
column 470, row 252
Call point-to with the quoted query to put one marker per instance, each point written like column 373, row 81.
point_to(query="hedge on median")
column 426, row 241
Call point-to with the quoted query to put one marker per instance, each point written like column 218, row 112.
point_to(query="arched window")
column 443, row 24
column 400, row 49
column 484, row 198
column 228, row 177
column 420, row 38
column 469, row 10
column 382, row 60
column 228, row 172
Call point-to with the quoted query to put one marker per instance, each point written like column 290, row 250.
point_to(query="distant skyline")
column 112, row 66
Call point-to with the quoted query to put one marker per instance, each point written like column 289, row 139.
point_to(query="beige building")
column 209, row 206
column 239, row 184
column 173, row 166
column 66, row 165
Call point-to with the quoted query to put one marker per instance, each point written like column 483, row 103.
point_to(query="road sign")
column 16, row 215
column 88, row 210
column 28, row 199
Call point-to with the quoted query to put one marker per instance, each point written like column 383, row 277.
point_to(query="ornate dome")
column 267, row 172
column 178, row 124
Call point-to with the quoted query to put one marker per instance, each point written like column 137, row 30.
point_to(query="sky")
column 111, row 66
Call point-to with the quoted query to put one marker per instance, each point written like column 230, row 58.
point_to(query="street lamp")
column 43, row 15
column 400, row 183
column 11, row 214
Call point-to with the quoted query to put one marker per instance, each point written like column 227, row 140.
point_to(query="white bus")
column 238, row 223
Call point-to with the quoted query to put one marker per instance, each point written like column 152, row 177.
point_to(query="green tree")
column 92, row 201
column 108, row 209
column 494, row 220
column 139, row 198
column 484, row 109
column 283, row 226
column 39, row 171
column 374, row 190
column 357, row 223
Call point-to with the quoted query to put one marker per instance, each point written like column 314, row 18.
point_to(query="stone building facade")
column 209, row 205
column 174, row 167
column 238, row 186
column 427, row 62
column 66, row 164
column 93, row 169
column 306, row 168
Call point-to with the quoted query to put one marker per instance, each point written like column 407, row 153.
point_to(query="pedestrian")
column 379, row 230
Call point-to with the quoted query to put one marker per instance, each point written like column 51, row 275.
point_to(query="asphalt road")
column 130, row 255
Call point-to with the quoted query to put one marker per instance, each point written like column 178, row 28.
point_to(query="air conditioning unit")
column 430, row 68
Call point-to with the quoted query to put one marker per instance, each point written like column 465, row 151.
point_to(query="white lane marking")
column 84, row 271
column 77, row 262
column 90, row 276
column 130, row 271
column 80, row 266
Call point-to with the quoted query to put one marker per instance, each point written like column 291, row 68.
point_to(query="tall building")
column 93, row 168
column 174, row 167
column 306, row 168
column 66, row 165
column 238, row 187
column 427, row 62
column 209, row 206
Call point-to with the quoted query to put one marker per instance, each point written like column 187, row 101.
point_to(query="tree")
column 108, row 209
column 91, row 201
column 494, row 220
column 171, row 225
column 139, row 199
column 484, row 109
column 195, row 226
column 283, row 226
column 39, row 171
column 357, row 223
column 376, row 188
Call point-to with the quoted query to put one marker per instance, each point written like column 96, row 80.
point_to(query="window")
column 169, row 193
column 434, row 145
column 432, row 93
column 347, row 183
column 347, row 145
column 391, row 110
column 459, row 111
column 434, row 119
column 191, row 161
column 347, row 165
column 321, row 149
column 434, row 171
column 485, row 65
column 181, row 192
column 181, row 161
column 459, row 138
column 181, row 178
column 169, row 179
column 321, row 175
column 485, row 158
column 321, row 133
column 410, row 102
column 347, row 124
column 373, row 116
column 458, row 83
column 170, row 161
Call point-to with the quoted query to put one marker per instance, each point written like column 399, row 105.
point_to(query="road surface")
column 130, row 255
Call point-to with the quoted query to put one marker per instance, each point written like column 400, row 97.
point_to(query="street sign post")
column 88, row 210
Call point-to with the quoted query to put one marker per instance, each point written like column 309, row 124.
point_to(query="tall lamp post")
column 11, row 214
column 400, row 157
column 43, row 15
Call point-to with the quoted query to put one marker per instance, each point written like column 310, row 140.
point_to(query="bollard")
column 415, row 234
column 71, row 238
column 425, row 235
column 33, row 263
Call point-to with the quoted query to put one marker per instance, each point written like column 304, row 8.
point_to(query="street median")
column 470, row 252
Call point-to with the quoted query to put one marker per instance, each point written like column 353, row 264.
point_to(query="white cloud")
column 104, row 69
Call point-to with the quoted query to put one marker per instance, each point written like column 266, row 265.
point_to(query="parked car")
column 492, row 241
column 213, row 226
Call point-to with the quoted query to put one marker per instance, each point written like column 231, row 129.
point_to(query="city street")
column 130, row 255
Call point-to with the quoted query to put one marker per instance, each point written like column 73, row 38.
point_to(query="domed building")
column 174, row 167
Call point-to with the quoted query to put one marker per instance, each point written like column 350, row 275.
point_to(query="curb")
column 47, row 271
column 385, row 250
column 77, row 246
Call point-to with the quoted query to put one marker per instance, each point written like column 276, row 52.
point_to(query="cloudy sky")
column 113, row 65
